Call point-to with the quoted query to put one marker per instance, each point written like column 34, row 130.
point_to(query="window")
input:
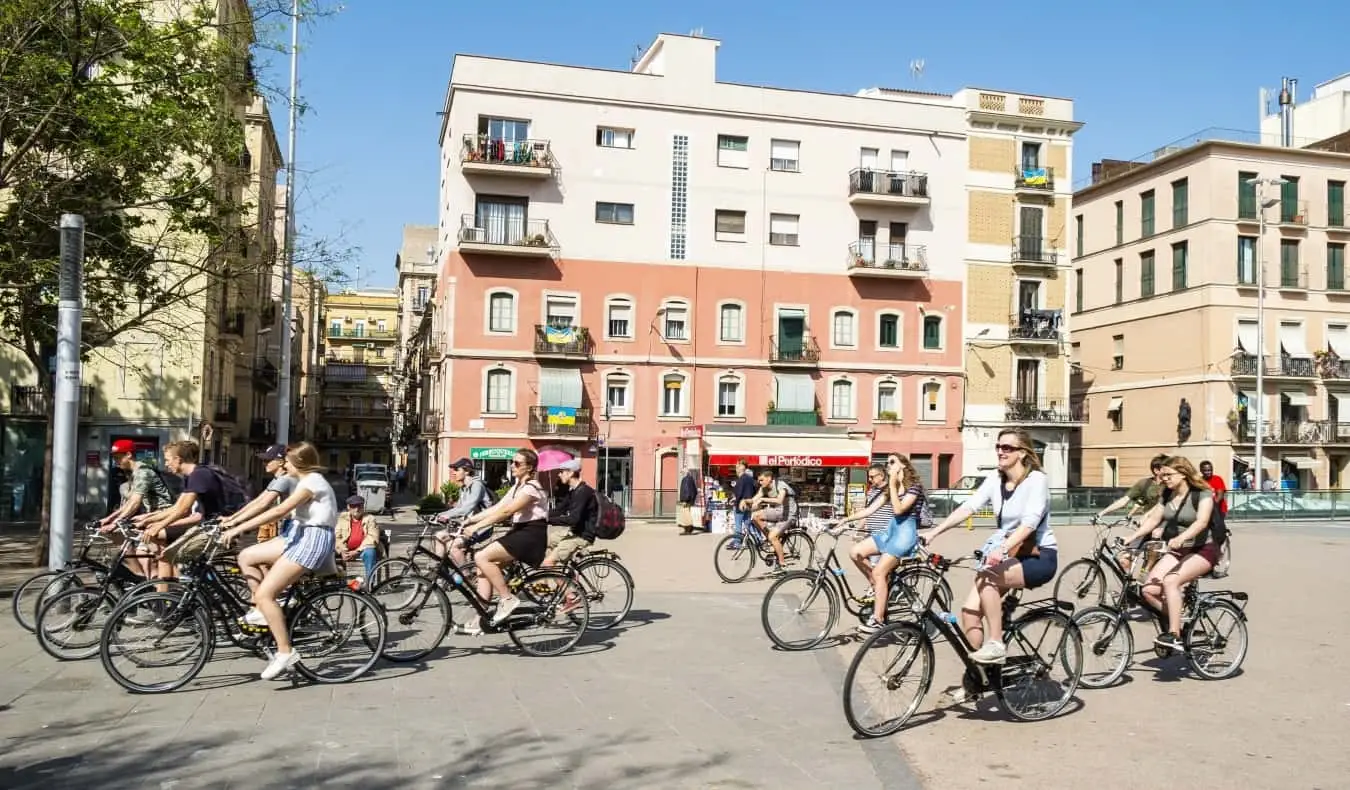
column 560, row 310
column 501, row 312
column 1115, row 413
column 1179, row 266
column 610, row 137
column 616, row 394
column 335, row 327
column 784, row 155
column 1146, row 201
column 1120, row 222
column 381, row 326
column 614, row 213
column 932, row 332
column 888, row 330
column 1120, row 280
column 1336, row 204
column 1246, row 196
column 672, row 395
column 888, row 401
column 505, row 130
column 844, row 329
column 730, row 225
column 783, row 229
column 1246, row 260
column 1146, row 274
column 1180, row 203
column 423, row 296
column 498, row 395
column 1078, row 235
column 360, row 328
column 1289, row 269
column 1290, row 211
column 930, row 401
column 730, row 323
column 1031, row 156
column 841, row 400
column 733, row 151
column 1078, row 291
column 676, row 323
column 728, row 396
column 619, row 321
column 1118, row 352
column 500, row 220
column 1335, row 267
column 679, row 196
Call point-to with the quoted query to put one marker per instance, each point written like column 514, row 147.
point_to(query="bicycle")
column 828, row 582
column 184, row 619
column 1015, row 681
column 32, row 592
column 1085, row 577
column 1201, row 636
column 798, row 546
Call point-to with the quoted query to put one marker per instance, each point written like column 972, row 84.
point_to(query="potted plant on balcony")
column 887, row 416
column 1328, row 362
column 537, row 240
column 859, row 260
column 771, row 407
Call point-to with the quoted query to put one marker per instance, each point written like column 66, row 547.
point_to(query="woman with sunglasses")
column 1181, row 518
column 899, row 485
column 1022, row 554
column 526, row 506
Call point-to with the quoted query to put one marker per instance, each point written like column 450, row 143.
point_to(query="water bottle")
column 950, row 618
column 457, row 578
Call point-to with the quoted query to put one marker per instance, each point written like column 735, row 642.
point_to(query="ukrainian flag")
column 1035, row 176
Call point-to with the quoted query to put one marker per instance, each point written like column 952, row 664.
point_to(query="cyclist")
column 898, row 540
column 1022, row 553
column 526, row 506
column 474, row 497
column 770, row 513
column 578, row 513
column 281, row 486
column 1181, row 519
column 203, row 498
column 1144, row 494
column 308, row 547
column 146, row 492
column 877, row 513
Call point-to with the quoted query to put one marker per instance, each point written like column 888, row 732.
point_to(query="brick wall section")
column 1054, row 289
column 988, row 293
column 981, row 386
column 990, row 218
column 1057, row 159
column 1056, row 225
column 992, row 154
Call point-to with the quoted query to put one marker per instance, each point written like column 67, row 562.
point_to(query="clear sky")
column 1142, row 74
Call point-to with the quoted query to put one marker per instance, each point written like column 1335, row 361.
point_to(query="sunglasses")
column 1006, row 448
column 517, row 463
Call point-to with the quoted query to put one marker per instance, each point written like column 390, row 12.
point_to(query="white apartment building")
column 1324, row 114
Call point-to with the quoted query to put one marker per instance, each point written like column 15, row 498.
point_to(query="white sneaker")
column 255, row 617
column 280, row 663
column 469, row 629
column 992, row 652
column 504, row 609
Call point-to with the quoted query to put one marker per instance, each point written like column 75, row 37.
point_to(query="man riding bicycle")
column 577, row 512
column 474, row 498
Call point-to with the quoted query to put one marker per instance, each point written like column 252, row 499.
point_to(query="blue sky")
column 374, row 76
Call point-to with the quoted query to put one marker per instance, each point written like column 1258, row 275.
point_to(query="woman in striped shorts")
column 308, row 546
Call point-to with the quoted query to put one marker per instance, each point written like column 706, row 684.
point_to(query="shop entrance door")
column 615, row 476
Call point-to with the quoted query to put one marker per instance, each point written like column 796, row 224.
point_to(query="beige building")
column 355, row 414
column 1167, row 256
column 417, row 270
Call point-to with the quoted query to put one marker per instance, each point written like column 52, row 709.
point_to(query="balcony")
column 368, row 360
column 1338, row 220
column 355, row 412
column 523, row 239
column 1304, row 432
column 355, row 439
column 1275, row 367
column 513, row 158
column 570, row 342
column 866, row 258
column 265, row 374
column 349, row 380
column 383, row 335
column 262, row 430
column 1331, row 366
column 801, row 351
column 32, row 402
column 1034, row 180
column 1036, row 327
column 1033, row 411
column 556, row 422
column 1294, row 214
column 226, row 409
column 430, row 425
column 1033, row 251
column 887, row 188
column 798, row 418
column 232, row 324
column 419, row 306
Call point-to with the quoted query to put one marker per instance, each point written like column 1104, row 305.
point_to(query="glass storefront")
column 22, row 451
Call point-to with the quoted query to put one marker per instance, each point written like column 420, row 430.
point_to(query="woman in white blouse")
column 1022, row 553
column 526, row 505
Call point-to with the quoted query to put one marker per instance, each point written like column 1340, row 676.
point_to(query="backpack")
column 926, row 520
column 1218, row 532
column 235, row 493
column 609, row 518
column 488, row 499
column 789, row 504
column 172, row 482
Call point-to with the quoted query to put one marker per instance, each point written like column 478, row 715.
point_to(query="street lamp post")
column 1258, row 453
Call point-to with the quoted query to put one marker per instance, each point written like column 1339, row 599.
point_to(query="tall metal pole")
column 66, row 409
column 288, row 269
column 1259, row 450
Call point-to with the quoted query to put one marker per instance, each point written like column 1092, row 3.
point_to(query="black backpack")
column 235, row 493
column 609, row 518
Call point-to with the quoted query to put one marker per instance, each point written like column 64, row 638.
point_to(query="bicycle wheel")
column 733, row 565
column 1208, row 635
column 177, row 637
column 1108, row 645
column 799, row 610
column 70, row 623
column 322, row 628
column 30, row 595
column 609, row 591
column 1043, row 666
column 553, row 603
column 799, row 548
column 897, row 656
column 1081, row 583
column 417, row 613
column 912, row 588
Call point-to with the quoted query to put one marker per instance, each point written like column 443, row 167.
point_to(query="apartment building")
column 1168, row 256
column 1321, row 116
column 626, row 256
column 416, row 268
column 355, row 416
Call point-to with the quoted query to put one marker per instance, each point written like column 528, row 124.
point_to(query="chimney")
column 1286, row 114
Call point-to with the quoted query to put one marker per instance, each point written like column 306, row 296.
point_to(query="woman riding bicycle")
column 1181, row 518
column 903, row 496
column 1022, row 554
column 526, row 506
column 308, row 546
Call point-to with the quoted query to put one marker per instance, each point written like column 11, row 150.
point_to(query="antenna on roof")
column 916, row 69
column 637, row 56
column 696, row 32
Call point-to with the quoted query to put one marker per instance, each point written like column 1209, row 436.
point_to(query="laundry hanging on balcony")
column 560, row 335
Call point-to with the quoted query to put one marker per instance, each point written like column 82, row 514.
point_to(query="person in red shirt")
column 1216, row 483
column 358, row 535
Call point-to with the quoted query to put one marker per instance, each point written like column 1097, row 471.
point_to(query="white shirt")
column 321, row 510
column 1028, row 505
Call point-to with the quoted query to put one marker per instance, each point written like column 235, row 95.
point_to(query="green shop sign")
column 491, row 453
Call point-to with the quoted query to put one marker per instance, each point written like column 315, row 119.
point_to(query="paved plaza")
column 689, row 694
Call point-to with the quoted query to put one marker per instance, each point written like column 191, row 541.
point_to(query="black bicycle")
column 88, row 566
column 1042, row 642
column 1211, row 623
column 735, row 555
column 800, row 610
column 1089, row 578
column 174, row 626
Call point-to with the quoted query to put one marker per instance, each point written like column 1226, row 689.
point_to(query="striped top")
column 880, row 521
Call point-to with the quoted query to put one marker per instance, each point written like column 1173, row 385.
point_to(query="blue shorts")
column 901, row 538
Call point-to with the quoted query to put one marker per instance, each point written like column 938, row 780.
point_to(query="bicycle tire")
column 1120, row 643
column 799, row 548
column 547, row 608
column 89, row 603
column 182, row 609
column 1081, row 581
column 423, row 594
column 1072, row 663
column 605, row 622
column 1192, row 641
column 370, row 616
column 724, row 550
column 908, row 634
column 32, row 592
column 819, row 586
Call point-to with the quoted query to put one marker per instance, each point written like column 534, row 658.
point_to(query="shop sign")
column 691, row 432
column 491, row 453
column 790, row 461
